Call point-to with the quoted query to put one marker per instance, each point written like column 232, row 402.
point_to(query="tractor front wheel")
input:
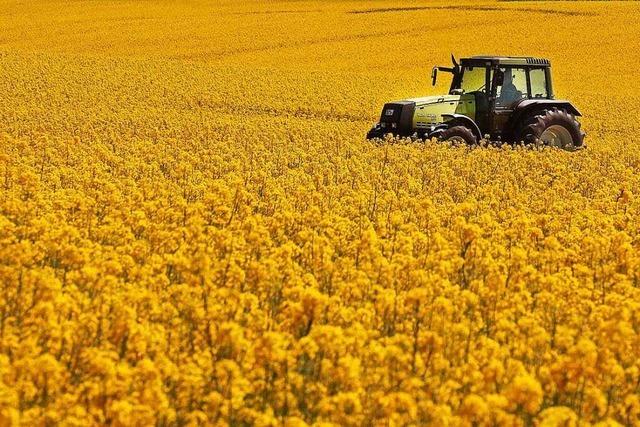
column 459, row 134
column 554, row 128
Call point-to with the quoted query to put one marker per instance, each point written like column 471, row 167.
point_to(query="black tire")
column 460, row 134
column 553, row 127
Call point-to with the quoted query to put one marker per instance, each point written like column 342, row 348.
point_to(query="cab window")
column 538, row 83
column 513, row 86
column 474, row 79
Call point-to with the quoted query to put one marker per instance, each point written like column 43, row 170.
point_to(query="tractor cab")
column 498, row 84
column 489, row 95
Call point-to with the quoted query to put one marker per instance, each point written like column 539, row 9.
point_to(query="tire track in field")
column 474, row 8
column 276, row 12
column 327, row 40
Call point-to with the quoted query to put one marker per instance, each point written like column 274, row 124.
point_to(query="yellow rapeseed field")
column 193, row 230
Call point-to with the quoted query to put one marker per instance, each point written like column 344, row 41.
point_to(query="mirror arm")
column 434, row 72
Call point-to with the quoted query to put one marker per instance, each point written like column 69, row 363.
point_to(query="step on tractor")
column 496, row 98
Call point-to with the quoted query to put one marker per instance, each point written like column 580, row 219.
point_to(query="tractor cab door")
column 474, row 82
column 508, row 89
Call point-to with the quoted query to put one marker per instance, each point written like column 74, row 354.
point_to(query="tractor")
column 506, row 99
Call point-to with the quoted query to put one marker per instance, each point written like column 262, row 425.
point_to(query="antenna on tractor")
column 456, row 66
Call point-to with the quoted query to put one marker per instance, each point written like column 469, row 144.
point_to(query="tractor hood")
column 429, row 110
column 420, row 114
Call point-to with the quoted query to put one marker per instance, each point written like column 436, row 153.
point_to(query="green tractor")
column 507, row 99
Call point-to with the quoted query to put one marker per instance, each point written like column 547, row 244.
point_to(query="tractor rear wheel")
column 459, row 134
column 554, row 128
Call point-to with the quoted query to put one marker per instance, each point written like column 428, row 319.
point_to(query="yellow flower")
column 525, row 391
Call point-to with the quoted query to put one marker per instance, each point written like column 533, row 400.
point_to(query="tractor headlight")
column 394, row 125
column 383, row 125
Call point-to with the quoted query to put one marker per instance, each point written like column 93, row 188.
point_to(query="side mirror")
column 499, row 78
column 434, row 76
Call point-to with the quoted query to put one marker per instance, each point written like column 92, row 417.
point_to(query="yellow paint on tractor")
column 429, row 109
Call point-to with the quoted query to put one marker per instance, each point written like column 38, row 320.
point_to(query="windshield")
column 474, row 79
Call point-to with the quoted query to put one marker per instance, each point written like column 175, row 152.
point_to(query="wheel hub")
column 556, row 136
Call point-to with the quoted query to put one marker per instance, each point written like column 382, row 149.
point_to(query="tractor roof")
column 508, row 60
